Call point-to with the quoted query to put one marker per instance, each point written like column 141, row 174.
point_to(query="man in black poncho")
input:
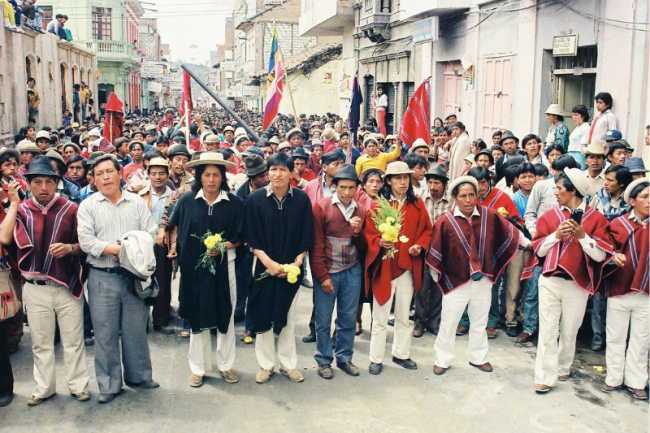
column 278, row 227
column 207, row 300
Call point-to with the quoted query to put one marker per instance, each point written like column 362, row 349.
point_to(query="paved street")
column 463, row 400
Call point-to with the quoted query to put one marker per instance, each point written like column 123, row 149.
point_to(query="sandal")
column 359, row 330
column 185, row 333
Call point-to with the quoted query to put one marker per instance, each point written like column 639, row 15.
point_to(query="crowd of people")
column 519, row 234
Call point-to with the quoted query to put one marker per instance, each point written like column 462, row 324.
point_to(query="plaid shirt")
column 436, row 210
column 612, row 209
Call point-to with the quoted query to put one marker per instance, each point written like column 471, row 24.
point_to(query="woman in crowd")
column 553, row 152
column 579, row 138
column 532, row 145
column 558, row 133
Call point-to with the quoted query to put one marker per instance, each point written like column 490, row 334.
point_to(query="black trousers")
column 6, row 374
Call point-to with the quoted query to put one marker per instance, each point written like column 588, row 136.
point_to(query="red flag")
column 187, row 93
column 114, row 123
column 416, row 123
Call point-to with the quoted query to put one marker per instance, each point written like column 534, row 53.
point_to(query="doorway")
column 572, row 90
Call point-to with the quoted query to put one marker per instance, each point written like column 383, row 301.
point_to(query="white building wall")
column 312, row 93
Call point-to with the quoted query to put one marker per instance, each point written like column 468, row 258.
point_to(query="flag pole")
column 187, row 123
column 286, row 80
column 111, row 129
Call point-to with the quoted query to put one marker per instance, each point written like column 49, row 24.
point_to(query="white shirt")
column 347, row 212
column 579, row 138
column 606, row 122
column 587, row 243
column 382, row 102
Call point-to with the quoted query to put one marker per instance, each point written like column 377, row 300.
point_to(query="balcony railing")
column 326, row 17
column 117, row 50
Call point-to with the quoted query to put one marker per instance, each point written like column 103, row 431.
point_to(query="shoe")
column 491, row 333
column 164, row 330
column 540, row 389
column 434, row 331
column 487, row 367
column 307, row 283
column 325, row 371
column 639, row 394
column 439, row 371
column 196, row 380
column 185, row 333
column 263, row 376
column 462, row 330
column 106, row 398
column 511, row 331
column 293, row 374
column 407, row 363
column 229, row 376
column 597, row 347
column 348, row 367
column 311, row 338
column 12, row 348
column 391, row 322
column 334, row 340
column 563, row 377
column 607, row 388
column 35, row 401
column 149, row 384
column 89, row 341
column 359, row 330
column 5, row 400
column 375, row 368
column 524, row 337
column 418, row 330
column 83, row 396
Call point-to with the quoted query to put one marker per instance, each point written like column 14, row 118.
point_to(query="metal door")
column 497, row 102
column 452, row 92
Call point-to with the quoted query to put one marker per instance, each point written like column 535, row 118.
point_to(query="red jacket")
column 631, row 239
column 378, row 276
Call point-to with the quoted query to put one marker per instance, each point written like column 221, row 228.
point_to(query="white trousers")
column 402, row 290
column 265, row 344
column 558, row 298
column 477, row 297
column 200, row 351
column 47, row 305
column 627, row 312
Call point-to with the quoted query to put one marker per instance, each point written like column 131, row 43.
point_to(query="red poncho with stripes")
column 631, row 239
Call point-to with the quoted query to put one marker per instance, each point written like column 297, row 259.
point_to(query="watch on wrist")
column 71, row 249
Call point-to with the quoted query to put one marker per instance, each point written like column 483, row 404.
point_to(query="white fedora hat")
column 554, row 109
column 461, row 180
column 630, row 187
column 397, row 167
column 210, row 158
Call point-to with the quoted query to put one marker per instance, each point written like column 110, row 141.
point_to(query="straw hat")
column 274, row 140
column 578, row 179
column 28, row 147
column 158, row 162
column 329, row 134
column 293, row 132
column 463, row 179
column 397, row 167
column 630, row 187
column 284, row 145
column 596, row 147
column 212, row 139
column 12, row 152
column 43, row 134
column 554, row 109
column 417, row 144
column 210, row 158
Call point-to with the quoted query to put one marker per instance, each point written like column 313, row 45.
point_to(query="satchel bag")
column 9, row 303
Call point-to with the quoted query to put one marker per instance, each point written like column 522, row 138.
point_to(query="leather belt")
column 114, row 270
column 40, row 282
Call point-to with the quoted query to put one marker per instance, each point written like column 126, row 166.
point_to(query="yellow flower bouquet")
column 292, row 272
column 212, row 243
column 388, row 222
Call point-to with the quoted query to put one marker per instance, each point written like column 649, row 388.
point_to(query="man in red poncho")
column 397, row 277
column 470, row 249
column 627, row 292
column 571, row 245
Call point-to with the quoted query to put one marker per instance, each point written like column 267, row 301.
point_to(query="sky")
column 185, row 23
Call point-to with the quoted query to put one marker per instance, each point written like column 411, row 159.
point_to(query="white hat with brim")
column 210, row 158
column 396, row 168
column 461, row 180
column 12, row 152
column 554, row 109
column 284, row 145
column 630, row 187
column 94, row 133
column 417, row 144
column 368, row 140
column 578, row 179
column 596, row 147
column 43, row 134
column 211, row 139
column 28, row 147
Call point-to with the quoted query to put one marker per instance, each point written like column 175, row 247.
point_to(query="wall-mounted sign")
column 154, row 87
column 251, row 90
column 566, row 45
column 272, row 2
column 227, row 66
column 425, row 30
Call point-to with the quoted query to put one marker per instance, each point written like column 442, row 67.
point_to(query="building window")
column 47, row 15
column 102, row 24
column 368, row 5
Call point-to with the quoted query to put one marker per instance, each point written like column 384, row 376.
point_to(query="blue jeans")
column 598, row 315
column 347, row 286
column 531, row 303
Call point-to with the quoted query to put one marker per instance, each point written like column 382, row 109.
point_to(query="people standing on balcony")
column 381, row 105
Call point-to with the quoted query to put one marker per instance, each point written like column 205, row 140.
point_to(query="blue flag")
column 356, row 99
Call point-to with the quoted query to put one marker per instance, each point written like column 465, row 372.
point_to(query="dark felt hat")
column 41, row 166
column 506, row 135
column 346, row 172
column 255, row 165
column 300, row 153
column 437, row 170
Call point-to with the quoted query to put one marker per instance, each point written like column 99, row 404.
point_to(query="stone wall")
column 55, row 65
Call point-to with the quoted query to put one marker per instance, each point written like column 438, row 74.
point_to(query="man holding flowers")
column 338, row 243
column 278, row 227
column 398, row 231
column 207, row 221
